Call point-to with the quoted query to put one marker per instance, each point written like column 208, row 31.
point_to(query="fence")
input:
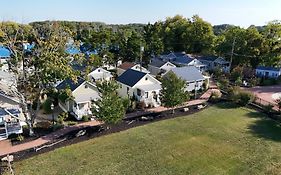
column 262, row 103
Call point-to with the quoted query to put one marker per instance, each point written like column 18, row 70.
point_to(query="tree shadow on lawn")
column 227, row 105
column 265, row 127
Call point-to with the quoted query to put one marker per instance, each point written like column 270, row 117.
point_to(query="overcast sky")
column 237, row 12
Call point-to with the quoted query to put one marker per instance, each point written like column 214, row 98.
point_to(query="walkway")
column 8, row 149
column 204, row 98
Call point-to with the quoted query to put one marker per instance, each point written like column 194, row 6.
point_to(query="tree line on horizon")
column 252, row 46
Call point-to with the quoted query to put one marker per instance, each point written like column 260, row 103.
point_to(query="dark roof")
column 179, row 54
column 131, row 77
column 126, row 65
column 269, row 68
column 4, row 52
column 68, row 83
column 12, row 111
column 79, row 66
column 207, row 58
column 157, row 62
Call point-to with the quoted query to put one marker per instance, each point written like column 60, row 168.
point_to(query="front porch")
column 77, row 109
column 10, row 122
column 81, row 109
column 149, row 95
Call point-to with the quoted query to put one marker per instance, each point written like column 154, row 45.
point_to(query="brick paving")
column 9, row 149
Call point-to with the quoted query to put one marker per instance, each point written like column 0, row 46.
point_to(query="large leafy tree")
column 173, row 91
column 153, row 40
column 46, row 65
column 272, row 35
column 133, row 46
column 200, row 36
column 109, row 108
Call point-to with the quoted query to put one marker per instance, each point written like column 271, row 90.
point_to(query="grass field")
column 218, row 140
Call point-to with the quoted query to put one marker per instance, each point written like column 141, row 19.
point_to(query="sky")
column 238, row 12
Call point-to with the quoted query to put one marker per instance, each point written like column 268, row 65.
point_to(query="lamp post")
column 195, row 89
column 53, row 117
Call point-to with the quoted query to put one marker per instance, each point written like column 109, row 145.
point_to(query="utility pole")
column 232, row 52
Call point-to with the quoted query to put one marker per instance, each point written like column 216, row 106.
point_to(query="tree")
column 133, row 46
column 110, row 108
column 173, row 91
column 200, row 36
column 46, row 65
column 272, row 35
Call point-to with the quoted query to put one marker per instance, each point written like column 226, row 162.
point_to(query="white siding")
column 268, row 73
column 191, row 86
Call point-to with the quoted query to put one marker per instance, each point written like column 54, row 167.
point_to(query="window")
column 146, row 78
column 138, row 92
column 146, row 94
column 128, row 89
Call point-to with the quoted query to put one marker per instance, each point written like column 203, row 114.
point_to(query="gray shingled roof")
column 188, row 73
column 157, row 63
column 207, row 58
column 130, row 77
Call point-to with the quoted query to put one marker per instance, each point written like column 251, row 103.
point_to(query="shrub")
column 16, row 137
column 141, row 105
column 223, row 83
column 215, row 96
column 126, row 103
column 62, row 117
column 20, row 138
column 254, row 82
column 268, row 81
column 239, row 97
column 57, row 126
column 71, row 123
column 245, row 98
column 236, row 73
column 85, row 118
column 47, row 106
column 238, row 81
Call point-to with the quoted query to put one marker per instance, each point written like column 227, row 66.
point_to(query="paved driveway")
column 267, row 94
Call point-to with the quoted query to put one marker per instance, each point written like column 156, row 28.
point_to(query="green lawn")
column 218, row 140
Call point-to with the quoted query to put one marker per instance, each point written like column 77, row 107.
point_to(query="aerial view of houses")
column 148, row 87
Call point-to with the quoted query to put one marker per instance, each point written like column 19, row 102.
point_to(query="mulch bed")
column 97, row 131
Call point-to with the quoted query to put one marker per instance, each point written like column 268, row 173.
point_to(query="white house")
column 193, row 77
column 128, row 65
column 100, row 74
column 83, row 94
column 214, row 62
column 181, row 59
column 142, row 86
column 11, row 117
column 268, row 72
column 159, row 67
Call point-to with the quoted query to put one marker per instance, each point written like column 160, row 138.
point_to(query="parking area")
column 267, row 94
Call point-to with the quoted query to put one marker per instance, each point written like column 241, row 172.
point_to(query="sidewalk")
column 9, row 149
column 202, row 99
